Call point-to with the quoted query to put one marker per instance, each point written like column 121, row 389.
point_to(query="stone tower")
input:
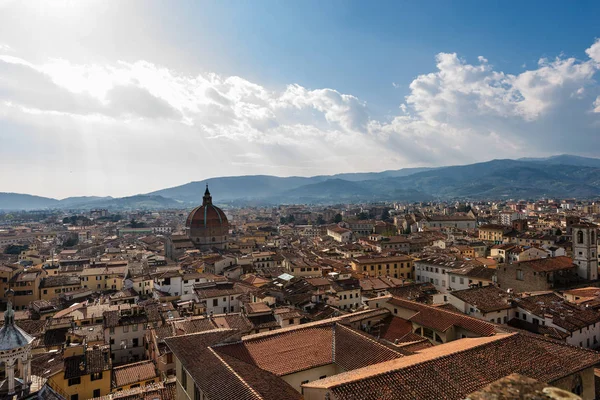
column 585, row 237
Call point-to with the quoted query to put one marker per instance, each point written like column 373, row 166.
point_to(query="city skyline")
column 108, row 98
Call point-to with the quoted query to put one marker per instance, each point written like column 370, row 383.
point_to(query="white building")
column 435, row 268
column 578, row 326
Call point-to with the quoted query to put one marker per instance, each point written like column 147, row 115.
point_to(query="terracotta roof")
column 394, row 329
column 293, row 350
column 210, row 290
column 286, row 353
column 221, row 376
column 133, row 373
column 565, row 315
column 442, row 320
column 475, row 271
column 548, row 264
column 455, row 369
column 94, row 360
column 486, row 298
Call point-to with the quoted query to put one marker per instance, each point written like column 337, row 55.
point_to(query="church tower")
column 585, row 247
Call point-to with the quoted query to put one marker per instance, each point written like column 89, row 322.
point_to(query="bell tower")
column 585, row 237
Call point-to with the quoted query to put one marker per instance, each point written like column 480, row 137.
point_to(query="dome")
column 11, row 336
column 207, row 215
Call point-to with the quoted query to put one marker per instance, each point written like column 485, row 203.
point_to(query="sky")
column 125, row 97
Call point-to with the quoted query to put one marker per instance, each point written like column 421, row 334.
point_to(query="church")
column 206, row 228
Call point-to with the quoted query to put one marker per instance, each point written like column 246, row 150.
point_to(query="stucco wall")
column 295, row 380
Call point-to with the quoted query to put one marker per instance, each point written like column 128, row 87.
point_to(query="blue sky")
column 104, row 89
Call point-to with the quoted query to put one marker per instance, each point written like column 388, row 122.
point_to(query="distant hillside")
column 531, row 178
column 80, row 201
column 16, row 201
column 565, row 159
column 252, row 187
column 149, row 202
column 25, row 202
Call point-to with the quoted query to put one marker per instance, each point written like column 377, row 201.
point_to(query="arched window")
column 580, row 237
column 592, row 238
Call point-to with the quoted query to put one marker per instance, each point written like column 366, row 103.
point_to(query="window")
column 580, row 237
column 74, row 381
column 462, row 281
column 183, row 378
column 95, row 376
column 215, row 302
column 196, row 393
column 96, row 393
column 74, row 397
column 519, row 274
column 111, row 330
column 125, row 328
column 453, row 279
column 169, row 358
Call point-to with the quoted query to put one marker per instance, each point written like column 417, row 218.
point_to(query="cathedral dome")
column 207, row 226
column 207, row 215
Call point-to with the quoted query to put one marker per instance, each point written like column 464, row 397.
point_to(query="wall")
column 183, row 393
column 313, row 374
column 460, row 282
column 437, row 275
column 121, row 355
column 587, row 380
column 231, row 305
column 507, row 279
column 86, row 388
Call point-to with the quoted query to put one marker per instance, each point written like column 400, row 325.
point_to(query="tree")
column 15, row 249
column 337, row 218
column 282, row 220
column 385, row 215
column 134, row 224
column 320, row 220
column 558, row 232
column 71, row 241
column 291, row 219
column 363, row 215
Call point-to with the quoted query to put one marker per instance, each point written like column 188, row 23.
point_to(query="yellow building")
column 26, row 287
column 393, row 266
column 492, row 232
column 85, row 374
column 53, row 286
column 103, row 278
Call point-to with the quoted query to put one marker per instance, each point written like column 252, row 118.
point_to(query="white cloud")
column 594, row 51
column 597, row 105
column 195, row 124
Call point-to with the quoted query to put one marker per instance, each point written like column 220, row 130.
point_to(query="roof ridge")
column 364, row 336
column 252, row 390
column 442, row 310
column 391, row 370
column 133, row 364
column 206, row 332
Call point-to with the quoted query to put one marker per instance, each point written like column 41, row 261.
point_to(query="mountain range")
column 527, row 178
